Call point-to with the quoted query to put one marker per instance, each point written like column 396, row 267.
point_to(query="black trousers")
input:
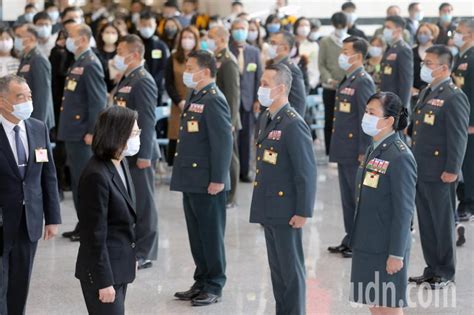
column 17, row 263
column 347, row 174
column 329, row 100
column 96, row 307
column 245, row 140
column 206, row 219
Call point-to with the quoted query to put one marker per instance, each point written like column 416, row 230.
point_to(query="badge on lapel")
column 156, row 54
column 251, row 67
column 371, row 179
column 429, row 119
column 193, row 126
column 378, row 166
column 345, row 107
column 71, row 85
column 41, row 155
column 387, row 70
column 462, row 66
column 270, row 157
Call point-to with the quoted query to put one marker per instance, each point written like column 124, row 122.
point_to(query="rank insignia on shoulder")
column 377, row 165
column 213, row 92
column 77, row 70
column 392, row 56
column 125, row 89
column 196, row 108
column 274, row 135
column 462, row 66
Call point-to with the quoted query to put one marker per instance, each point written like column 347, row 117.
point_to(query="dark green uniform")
column 228, row 81
column 203, row 156
column 285, row 185
column 439, row 144
column 386, row 182
column 463, row 75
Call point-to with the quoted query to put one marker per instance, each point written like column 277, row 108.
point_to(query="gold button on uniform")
column 181, row 128
column 184, row 115
column 61, row 109
column 257, row 171
column 259, row 145
column 436, row 153
column 280, row 193
column 414, row 133
column 255, row 183
column 351, row 136
column 258, row 158
column 77, row 117
column 417, row 122
column 176, row 154
column 177, row 141
column 195, row 165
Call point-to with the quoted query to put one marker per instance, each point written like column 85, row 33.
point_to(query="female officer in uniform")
column 385, row 194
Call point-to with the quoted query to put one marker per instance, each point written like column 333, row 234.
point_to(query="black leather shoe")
column 187, row 295
column 464, row 216
column 420, row 279
column 337, row 249
column 144, row 263
column 439, row 283
column 70, row 233
column 204, row 299
column 460, row 230
column 75, row 237
column 347, row 253
column 245, row 179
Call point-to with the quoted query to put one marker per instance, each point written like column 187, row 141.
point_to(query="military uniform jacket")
column 204, row 147
column 156, row 57
column 463, row 75
column 348, row 139
column 285, row 182
column 386, row 188
column 85, row 96
column 228, row 81
column 36, row 70
column 138, row 91
column 440, row 123
column 397, row 71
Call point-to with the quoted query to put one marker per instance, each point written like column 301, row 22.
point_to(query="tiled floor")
column 54, row 290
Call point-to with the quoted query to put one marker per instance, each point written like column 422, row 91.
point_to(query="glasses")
column 429, row 64
column 136, row 133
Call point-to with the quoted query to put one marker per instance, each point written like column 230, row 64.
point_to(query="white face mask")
column 263, row 95
column 133, row 146
column 54, row 15
column 70, row 45
column 23, row 110
column 119, row 63
column 188, row 43
column 369, row 125
column 189, row 81
column 44, row 31
column 426, row 74
column 375, row 51
column 252, row 35
column 344, row 62
column 303, row 31
column 388, row 35
column 147, row 32
column 211, row 44
column 6, row 45
column 458, row 40
column 110, row 38
column 341, row 33
column 314, row 36
column 272, row 51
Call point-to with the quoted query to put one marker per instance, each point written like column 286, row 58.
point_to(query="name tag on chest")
column 429, row 119
column 41, row 155
column 156, row 54
column 345, row 107
column 71, row 85
column 270, row 157
column 193, row 126
column 371, row 180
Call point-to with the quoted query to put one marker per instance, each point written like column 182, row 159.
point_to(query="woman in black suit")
column 106, row 261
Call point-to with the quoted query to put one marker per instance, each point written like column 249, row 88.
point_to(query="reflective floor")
column 54, row 290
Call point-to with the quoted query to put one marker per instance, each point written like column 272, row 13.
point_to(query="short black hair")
column 112, row 131
column 205, row 60
column 339, row 19
column 134, row 43
column 30, row 29
column 348, row 5
column 412, row 5
column 360, row 45
column 444, row 54
column 171, row 4
column 70, row 9
column 397, row 20
column 30, row 6
column 48, row 5
column 283, row 75
column 288, row 38
column 235, row 3
column 443, row 5
column 43, row 15
column 392, row 107
column 147, row 15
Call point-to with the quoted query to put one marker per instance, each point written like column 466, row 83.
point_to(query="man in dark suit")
column 284, row 188
column 36, row 69
column 137, row 90
column 250, row 69
column 85, row 95
column 349, row 9
column 281, row 45
column 28, row 190
column 201, row 172
column 445, row 23
column 413, row 22
column 397, row 61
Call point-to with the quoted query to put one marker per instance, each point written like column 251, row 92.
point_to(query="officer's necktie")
column 240, row 60
column 20, row 151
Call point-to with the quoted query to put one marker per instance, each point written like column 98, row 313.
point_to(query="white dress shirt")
column 8, row 127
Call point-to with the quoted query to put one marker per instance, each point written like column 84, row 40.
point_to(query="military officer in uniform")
column 85, row 96
column 36, row 69
column 201, row 172
column 463, row 76
column 281, row 45
column 137, row 90
column 284, row 188
column 385, row 203
column 228, row 81
column 349, row 143
column 397, row 61
column 441, row 118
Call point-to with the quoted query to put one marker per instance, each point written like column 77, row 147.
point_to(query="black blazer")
column 38, row 190
column 107, row 219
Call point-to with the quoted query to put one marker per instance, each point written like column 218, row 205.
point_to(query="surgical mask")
column 426, row 74
column 343, row 62
column 188, row 43
column 188, row 79
column 110, row 38
column 388, row 35
column 240, row 35
column 29, row 17
column 341, row 33
column 23, row 111
column 54, row 15
column 44, row 31
column 351, row 18
column 211, row 44
column 454, row 50
column 133, row 146
column 375, row 51
column 314, row 36
column 252, row 35
column 458, row 40
column 147, row 32
column 446, row 18
column 70, row 46
column 273, row 27
column 423, row 38
column 369, row 125
column 119, row 63
column 204, row 45
column 303, row 31
column 135, row 18
column 263, row 95
column 18, row 44
column 6, row 45
column 419, row 16
column 170, row 32
column 272, row 51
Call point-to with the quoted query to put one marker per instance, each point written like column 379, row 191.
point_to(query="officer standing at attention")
column 463, row 76
column 284, row 188
column 397, row 61
column 250, row 69
column 36, row 70
column 201, row 172
column 85, row 95
column 349, row 142
column 281, row 45
column 441, row 118
column 137, row 90
column 228, row 81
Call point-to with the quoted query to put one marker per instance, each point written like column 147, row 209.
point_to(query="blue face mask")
column 119, row 63
column 423, row 38
column 204, row 45
column 211, row 44
column 18, row 44
column 344, row 63
column 273, row 27
column 23, row 111
column 446, row 18
column 426, row 74
column 70, row 46
column 239, row 35
column 388, row 35
column 147, row 32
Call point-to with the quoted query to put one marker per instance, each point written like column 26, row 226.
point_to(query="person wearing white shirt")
column 309, row 49
column 8, row 63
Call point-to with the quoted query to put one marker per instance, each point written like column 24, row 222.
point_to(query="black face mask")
column 171, row 32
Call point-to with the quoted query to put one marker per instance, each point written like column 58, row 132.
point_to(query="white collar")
column 9, row 125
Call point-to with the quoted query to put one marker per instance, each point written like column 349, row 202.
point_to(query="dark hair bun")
column 402, row 120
